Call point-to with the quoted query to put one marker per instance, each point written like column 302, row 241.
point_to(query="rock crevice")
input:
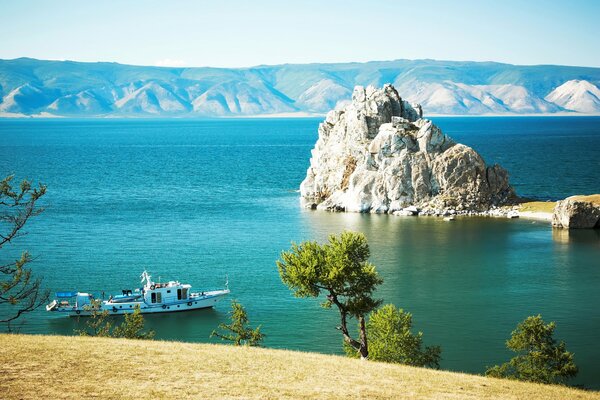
column 378, row 154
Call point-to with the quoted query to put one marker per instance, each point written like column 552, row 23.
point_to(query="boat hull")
column 195, row 302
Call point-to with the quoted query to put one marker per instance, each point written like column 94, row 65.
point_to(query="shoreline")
column 528, row 215
column 299, row 115
column 537, row 216
column 529, row 210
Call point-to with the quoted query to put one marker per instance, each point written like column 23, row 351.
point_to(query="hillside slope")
column 77, row 89
column 76, row 367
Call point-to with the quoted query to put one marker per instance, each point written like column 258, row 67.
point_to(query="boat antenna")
column 227, row 281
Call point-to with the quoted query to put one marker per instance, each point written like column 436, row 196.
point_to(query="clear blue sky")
column 245, row 33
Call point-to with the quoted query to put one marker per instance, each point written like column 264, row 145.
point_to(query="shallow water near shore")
column 198, row 200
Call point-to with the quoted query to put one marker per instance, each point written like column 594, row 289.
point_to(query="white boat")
column 152, row 297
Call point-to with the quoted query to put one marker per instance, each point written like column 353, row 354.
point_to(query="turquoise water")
column 199, row 200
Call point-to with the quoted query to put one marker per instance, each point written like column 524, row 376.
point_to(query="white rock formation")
column 379, row 155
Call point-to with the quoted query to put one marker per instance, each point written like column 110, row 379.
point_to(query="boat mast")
column 146, row 277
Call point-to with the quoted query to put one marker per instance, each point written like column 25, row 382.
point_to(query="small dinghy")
column 152, row 297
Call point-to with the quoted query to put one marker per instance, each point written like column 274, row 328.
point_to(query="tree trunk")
column 364, row 346
column 343, row 322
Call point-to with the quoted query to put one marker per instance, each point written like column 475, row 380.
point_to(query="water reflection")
column 566, row 236
column 470, row 281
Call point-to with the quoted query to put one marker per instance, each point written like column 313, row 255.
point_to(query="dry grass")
column 548, row 206
column 58, row 367
column 538, row 206
column 594, row 198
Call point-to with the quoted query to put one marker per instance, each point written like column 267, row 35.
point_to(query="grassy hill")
column 55, row 367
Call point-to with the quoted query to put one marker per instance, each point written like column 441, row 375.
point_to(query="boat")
column 152, row 297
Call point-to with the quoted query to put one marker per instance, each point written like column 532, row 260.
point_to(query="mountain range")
column 30, row 87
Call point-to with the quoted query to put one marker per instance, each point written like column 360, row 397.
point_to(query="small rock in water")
column 405, row 212
column 412, row 209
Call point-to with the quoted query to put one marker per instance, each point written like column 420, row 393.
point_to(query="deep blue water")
column 547, row 157
column 197, row 200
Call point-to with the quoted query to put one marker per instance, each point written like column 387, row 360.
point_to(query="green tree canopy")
column 339, row 269
column 238, row 331
column 391, row 340
column 540, row 358
column 20, row 293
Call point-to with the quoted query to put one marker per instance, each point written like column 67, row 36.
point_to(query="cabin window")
column 168, row 291
column 184, row 293
column 178, row 294
column 159, row 297
column 153, row 297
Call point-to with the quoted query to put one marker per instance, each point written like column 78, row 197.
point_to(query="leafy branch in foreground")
column 238, row 330
column 540, row 358
column 18, row 288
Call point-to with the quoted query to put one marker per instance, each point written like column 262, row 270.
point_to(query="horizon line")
column 296, row 64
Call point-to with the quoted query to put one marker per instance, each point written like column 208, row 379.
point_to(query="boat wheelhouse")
column 152, row 297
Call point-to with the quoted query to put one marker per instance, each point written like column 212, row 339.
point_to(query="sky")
column 248, row 33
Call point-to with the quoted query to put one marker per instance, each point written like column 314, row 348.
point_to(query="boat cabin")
column 167, row 293
column 71, row 300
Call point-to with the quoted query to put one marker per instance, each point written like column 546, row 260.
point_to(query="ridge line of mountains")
column 30, row 87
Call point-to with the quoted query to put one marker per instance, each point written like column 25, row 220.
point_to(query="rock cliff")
column 379, row 155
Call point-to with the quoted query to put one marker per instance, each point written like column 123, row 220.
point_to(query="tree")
column 540, row 358
column 241, row 333
column 339, row 269
column 98, row 325
column 18, row 288
column 391, row 340
column 133, row 327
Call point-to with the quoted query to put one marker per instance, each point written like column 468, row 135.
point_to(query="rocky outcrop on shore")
column 379, row 155
column 577, row 212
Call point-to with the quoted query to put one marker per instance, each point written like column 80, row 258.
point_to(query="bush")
column 238, row 331
column 391, row 340
column 131, row 328
column 540, row 358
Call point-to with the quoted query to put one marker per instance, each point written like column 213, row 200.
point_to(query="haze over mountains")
column 74, row 89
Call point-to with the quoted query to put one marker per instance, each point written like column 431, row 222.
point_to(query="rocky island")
column 378, row 154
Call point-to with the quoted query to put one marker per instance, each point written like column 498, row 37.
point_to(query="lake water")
column 199, row 200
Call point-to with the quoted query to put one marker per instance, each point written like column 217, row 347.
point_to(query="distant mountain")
column 581, row 96
column 67, row 88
